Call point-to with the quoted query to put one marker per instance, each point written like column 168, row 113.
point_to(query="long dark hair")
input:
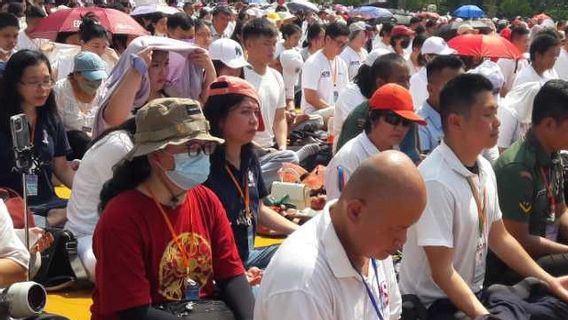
column 9, row 94
column 126, row 175
column 216, row 110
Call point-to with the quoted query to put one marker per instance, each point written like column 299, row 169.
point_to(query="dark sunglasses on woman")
column 394, row 120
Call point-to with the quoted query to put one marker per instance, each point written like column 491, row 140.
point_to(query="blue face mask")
column 189, row 171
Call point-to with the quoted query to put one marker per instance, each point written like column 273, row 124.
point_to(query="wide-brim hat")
column 169, row 121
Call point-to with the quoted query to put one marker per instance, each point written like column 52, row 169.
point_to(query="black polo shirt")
column 221, row 183
column 50, row 142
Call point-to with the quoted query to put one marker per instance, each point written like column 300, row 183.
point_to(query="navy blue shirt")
column 50, row 142
column 221, row 183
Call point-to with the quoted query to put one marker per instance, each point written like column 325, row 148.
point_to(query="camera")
column 22, row 299
column 22, row 142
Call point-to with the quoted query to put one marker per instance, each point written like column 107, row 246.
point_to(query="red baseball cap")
column 233, row 85
column 395, row 98
column 401, row 30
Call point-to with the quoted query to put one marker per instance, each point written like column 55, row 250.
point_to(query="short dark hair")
column 415, row 19
column 313, row 32
column 180, row 20
column 460, row 94
column 387, row 28
column 259, row 27
column 382, row 68
column 551, row 101
column 289, row 29
column 34, row 12
column 440, row 63
column 8, row 20
column 337, row 29
column 518, row 32
column 542, row 43
column 221, row 9
column 418, row 40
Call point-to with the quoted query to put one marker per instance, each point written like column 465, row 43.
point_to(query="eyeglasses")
column 394, row 120
column 195, row 148
column 47, row 83
column 341, row 44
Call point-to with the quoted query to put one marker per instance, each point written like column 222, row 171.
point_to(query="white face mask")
column 189, row 171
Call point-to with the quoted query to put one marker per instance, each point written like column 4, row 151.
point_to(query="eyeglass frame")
column 47, row 84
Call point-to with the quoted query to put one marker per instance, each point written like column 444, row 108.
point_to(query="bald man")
column 338, row 265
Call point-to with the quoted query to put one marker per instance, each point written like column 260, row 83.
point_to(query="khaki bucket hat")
column 169, row 121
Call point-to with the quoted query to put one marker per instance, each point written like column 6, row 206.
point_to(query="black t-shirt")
column 221, row 183
column 50, row 142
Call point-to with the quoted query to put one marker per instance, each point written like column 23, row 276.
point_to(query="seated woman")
column 76, row 100
column 161, row 236
column 233, row 111
column 228, row 57
column 96, row 169
column 27, row 88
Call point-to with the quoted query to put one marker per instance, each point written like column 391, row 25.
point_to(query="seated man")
column 395, row 71
column 531, row 186
column 444, row 259
column 389, row 119
column 338, row 265
column 325, row 74
column 14, row 258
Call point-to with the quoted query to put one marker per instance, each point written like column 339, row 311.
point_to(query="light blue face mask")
column 189, row 171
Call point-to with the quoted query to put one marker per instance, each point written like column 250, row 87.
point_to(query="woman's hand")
column 45, row 240
column 254, row 276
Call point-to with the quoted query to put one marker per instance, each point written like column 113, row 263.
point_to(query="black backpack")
column 60, row 265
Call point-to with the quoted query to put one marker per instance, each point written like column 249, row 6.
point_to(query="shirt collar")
column 454, row 162
column 432, row 115
column 542, row 158
column 334, row 252
column 367, row 144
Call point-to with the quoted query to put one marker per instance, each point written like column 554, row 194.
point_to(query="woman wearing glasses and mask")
column 161, row 236
column 391, row 113
column 26, row 87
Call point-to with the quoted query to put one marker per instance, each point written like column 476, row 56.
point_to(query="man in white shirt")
column 432, row 47
column 390, row 114
column 444, row 259
column 510, row 67
column 33, row 17
column 355, row 54
column 544, row 51
column 259, row 37
column 561, row 65
column 324, row 74
column 220, row 23
column 338, row 265
column 14, row 258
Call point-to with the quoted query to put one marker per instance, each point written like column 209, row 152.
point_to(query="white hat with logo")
column 229, row 52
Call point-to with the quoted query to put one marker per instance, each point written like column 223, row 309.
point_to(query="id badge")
column 191, row 290
column 552, row 231
column 31, row 185
column 479, row 268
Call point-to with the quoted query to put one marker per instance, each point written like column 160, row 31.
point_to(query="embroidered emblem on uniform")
column 525, row 206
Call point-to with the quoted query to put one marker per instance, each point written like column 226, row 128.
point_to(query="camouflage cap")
column 169, row 121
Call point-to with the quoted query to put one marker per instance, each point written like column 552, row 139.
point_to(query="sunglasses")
column 394, row 120
column 195, row 148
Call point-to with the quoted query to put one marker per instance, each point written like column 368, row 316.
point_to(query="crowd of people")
column 444, row 174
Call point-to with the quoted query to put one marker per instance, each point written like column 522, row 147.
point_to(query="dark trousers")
column 79, row 143
column 527, row 300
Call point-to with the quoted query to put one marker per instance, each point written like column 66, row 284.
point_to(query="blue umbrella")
column 469, row 11
column 371, row 12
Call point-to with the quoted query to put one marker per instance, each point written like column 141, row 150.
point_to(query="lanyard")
column 481, row 206
column 244, row 194
column 175, row 237
column 333, row 71
column 549, row 193
column 370, row 292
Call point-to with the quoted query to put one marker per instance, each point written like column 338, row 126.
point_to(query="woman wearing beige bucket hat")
column 162, row 236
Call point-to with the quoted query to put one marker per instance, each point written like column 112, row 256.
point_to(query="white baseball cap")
column 229, row 52
column 437, row 45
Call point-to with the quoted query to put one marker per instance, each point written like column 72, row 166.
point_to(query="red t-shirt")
column 138, row 262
